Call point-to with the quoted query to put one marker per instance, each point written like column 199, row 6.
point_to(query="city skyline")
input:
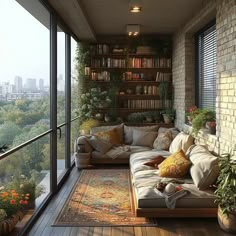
column 25, row 51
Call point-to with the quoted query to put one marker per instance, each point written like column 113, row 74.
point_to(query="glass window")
column 24, row 74
column 206, row 63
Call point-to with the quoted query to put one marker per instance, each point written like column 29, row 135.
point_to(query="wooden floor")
column 166, row 227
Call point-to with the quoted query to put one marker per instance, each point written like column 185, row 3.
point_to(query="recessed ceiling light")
column 135, row 6
column 133, row 30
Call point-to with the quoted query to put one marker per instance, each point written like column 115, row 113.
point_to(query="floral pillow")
column 175, row 166
column 163, row 141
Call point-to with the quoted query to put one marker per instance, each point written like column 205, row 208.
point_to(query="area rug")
column 101, row 197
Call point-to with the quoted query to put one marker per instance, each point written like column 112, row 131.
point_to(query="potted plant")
column 211, row 126
column 202, row 116
column 226, row 193
column 191, row 114
column 168, row 115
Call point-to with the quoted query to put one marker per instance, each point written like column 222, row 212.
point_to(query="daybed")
column 144, row 145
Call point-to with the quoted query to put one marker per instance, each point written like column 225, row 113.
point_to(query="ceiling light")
column 135, row 6
column 133, row 30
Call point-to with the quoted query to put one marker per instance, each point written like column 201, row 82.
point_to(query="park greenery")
column 22, row 120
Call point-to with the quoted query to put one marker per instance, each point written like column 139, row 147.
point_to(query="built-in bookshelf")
column 138, row 76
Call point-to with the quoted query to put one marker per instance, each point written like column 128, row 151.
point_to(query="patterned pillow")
column 155, row 161
column 113, row 136
column 99, row 144
column 175, row 166
column 163, row 141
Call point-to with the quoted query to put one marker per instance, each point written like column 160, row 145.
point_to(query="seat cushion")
column 147, row 196
column 145, row 178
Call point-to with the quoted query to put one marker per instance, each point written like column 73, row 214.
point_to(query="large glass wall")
column 26, row 167
column 24, row 107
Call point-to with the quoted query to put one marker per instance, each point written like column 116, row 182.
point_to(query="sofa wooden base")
column 178, row 212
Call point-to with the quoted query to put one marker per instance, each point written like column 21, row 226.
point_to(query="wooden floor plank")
column 106, row 231
column 116, row 231
column 138, row 231
column 128, row 231
column 97, row 231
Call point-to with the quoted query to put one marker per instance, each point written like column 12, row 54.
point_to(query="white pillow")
column 204, row 169
column 181, row 141
column 143, row 138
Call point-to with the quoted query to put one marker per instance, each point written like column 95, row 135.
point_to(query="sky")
column 24, row 45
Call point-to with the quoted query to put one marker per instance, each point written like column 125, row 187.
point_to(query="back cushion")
column 181, row 141
column 143, row 138
column 119, row 129
column 204, row 169
column 128, row 131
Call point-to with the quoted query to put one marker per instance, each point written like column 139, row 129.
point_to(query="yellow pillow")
column 113, row 136
column 175, row 166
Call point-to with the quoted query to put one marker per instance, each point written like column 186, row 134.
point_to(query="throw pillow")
column 120, row 129
column 175, row 166
column 100, row 145
column 181, row 141
column 143, row 138
column 174, row 131
column 205, row 169
column 128, row 131
column 113, row 136
column 155, row 161
column 163, row 141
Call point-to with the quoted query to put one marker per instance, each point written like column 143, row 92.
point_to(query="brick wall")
column 184, row 68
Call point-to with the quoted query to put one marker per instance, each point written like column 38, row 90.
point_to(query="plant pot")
column 167, row 119
column 8, row 225
column 227, row 222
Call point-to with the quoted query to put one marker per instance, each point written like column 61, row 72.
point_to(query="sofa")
column 126, row 140
column 157, row 157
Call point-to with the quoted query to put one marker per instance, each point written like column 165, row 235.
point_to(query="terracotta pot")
column 227, row 222
column 8, row 225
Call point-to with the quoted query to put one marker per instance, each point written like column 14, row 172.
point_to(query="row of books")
column 133, row 62
column 147, row 104
column 101, row 76
column 109, row 63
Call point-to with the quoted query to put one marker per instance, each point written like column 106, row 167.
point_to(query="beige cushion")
column 143, row 138
column 163, row 141
column 181, row 141
column 128, row 131
column 204, row 169
column 119, row 128
column 174, row 131
column 99, row 144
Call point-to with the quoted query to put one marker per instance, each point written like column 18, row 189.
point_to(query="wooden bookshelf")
column 139, row 77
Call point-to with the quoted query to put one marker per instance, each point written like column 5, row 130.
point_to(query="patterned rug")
column 101, row 197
